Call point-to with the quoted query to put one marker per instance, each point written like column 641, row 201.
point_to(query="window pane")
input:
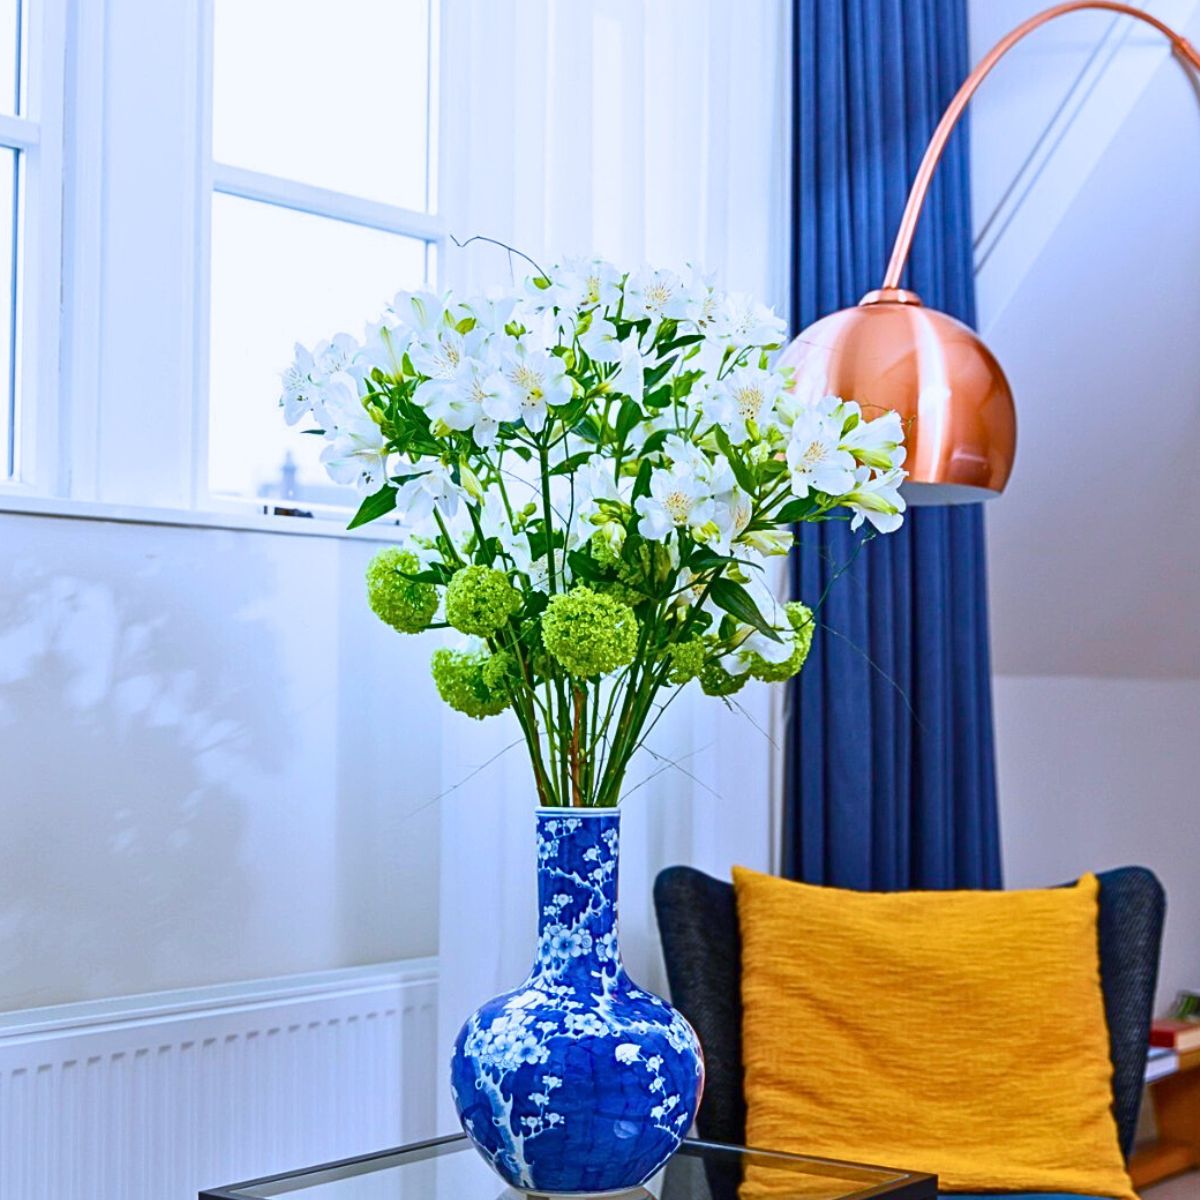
column 9, row 465
column 331, row 95
column 10, row 55
column 281, row 277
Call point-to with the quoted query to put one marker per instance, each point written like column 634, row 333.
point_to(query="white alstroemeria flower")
column 743, row 403
column 336, row 403
column 475, row 397
column 732, row 511
column 815, row 457
column 703, row 298
column 656, row 294
column 594, row 482
column 677, row 499
column 600, row 343
column 714, row 473
column 357, row 456
column 581, row 283
column 439, row 354
column 630, row 379
column 428, row 485
column 877, row 500
column 335, row 355
column 420, row 312
column 537, row 380
column 878, row 443
column 382, row 347
column 492, row 313
column 741, row 320
column 355, row 445
column 296, row 398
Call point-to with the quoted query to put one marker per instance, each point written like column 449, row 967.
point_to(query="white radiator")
column 155, row 1097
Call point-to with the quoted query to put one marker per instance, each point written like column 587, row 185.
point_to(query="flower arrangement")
column 589, row 476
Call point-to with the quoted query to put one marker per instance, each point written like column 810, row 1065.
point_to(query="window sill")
column 247, row 521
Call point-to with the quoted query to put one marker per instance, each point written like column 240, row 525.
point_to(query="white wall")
column 1087, row 274
column 217, row 764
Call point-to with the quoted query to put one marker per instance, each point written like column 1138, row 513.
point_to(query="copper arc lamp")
column 892, row 352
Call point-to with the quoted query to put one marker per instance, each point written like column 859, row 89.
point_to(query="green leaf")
column 736, row 601
column 571, row 464
column 741, row 471
column 655, row 374
column 376, row 505
column 654, row 443
column 641, row 485
column 627, row 419
column 584, row 566
column 659, row 398
column 687, row 340
column 795, row 510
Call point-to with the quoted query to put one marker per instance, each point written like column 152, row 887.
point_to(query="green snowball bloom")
column 472, row 681
column 602, row 549
column 800, row 618
column 716, row 681
column 589, row 633
column 480, row 599
column 687, row 660
column 402, row 602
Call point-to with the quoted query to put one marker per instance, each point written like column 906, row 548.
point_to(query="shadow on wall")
column 125, row 716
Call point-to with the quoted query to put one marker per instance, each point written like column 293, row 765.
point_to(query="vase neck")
column 577, row 891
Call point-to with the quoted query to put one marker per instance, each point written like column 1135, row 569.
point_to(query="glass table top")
column 450, row 1169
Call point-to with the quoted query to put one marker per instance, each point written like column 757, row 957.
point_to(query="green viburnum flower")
column 472, row 681
column 480, row 599
column 716, row 681
column 800, row 618
column 687, row 660
column 589, row 633
column 602, row 549
column 401, row 602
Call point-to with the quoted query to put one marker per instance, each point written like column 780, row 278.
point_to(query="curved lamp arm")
column 916, row 198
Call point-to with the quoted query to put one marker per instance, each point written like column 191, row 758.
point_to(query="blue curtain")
column 891, row 777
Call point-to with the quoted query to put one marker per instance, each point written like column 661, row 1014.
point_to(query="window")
column 30, row 207
column 322, row 208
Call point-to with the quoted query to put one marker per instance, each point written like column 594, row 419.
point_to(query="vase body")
column 577, row 1082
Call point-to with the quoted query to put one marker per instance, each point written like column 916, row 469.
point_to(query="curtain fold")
column 890, row 766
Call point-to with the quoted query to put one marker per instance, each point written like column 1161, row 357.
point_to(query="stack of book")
column 1175, row 1038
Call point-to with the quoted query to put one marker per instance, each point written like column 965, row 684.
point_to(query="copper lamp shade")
column 891, row 352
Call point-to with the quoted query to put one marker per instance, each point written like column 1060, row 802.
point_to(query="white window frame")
column 117, row 187
column 37, row 136
column 224, row 179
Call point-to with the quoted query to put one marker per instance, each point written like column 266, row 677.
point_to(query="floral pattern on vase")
column 577, row 1082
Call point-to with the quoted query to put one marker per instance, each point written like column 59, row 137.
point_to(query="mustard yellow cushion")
column 958, row 1033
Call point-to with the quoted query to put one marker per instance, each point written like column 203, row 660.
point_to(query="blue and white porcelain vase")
column 577, row 1082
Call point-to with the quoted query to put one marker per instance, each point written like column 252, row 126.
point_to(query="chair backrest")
column 697, row 919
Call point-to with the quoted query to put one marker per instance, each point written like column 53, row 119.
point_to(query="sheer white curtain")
column 642, row 130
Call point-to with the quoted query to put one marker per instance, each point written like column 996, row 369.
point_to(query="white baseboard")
column 154, row 1097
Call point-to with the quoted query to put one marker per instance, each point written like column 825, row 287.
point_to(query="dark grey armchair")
column 697, row 919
